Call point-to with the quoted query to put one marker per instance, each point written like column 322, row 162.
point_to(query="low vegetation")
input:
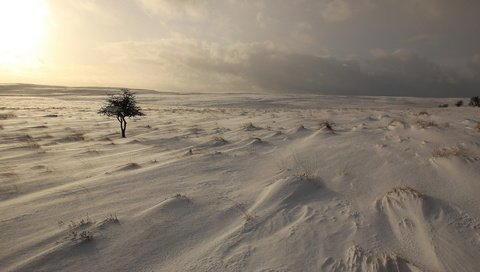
column 404, row 189
column 250, row 127
column 304, row 168
column 446, row 152
column 397, row 122
column 247, row 215
column 112, row 218
column 9, row 115
column 84, row 236
column 426, row 124
column 82, row 222
column 474, row 101
column 184, row 197
column 326, row 125
column 219, row 139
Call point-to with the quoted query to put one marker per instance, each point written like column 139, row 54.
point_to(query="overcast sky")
column 377, row 47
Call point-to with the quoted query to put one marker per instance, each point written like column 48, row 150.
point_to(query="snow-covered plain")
column 237, row 182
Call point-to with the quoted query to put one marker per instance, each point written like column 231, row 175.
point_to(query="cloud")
column 300, row 36
column 404, row 71
column 336, row 11
column 421, row 37
column 263, row 20
column 475, row 60
column 99, row 10
column 185, row 63
column 88, row 5
column 257, row 4
column 170, row 9
column 474, row 66
column 426, row 8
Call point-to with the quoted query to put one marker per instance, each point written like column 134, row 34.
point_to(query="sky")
column 345, row 47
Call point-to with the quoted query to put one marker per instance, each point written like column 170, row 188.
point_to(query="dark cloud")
column 321, row 46
column 399, row 73
column 266, row 66
column 305, row 73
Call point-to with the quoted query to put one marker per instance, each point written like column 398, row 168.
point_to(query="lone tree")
column 121, row 106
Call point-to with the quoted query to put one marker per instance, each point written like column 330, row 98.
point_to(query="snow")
column 237, row 182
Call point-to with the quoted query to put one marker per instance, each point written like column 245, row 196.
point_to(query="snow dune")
column 237, row 182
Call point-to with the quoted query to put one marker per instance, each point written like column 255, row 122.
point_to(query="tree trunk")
column 123, row 125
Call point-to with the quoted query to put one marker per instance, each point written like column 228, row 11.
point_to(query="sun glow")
column 23, row 26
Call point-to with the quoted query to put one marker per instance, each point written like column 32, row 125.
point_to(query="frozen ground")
column 237, row 182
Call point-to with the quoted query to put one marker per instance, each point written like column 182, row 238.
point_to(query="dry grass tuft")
column 184, row 197
column 9, row 115
column 33, row 145
column 396, row 123
column 305, row 168
column 29, row 141
column 247, row 215
column 426, row 124
column 446, row 152
column 250, row 127
column 83, row 222
column 79, row 228
column 404, row 189
column 112, row 218
column 326, row 125
column 84, row 236
column 220, row 140
column 77, row 137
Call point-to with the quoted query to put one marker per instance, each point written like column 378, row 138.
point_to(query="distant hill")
column 53, row 90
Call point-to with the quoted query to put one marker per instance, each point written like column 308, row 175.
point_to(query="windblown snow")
column 237, row 182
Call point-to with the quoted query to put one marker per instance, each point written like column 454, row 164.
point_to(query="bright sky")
column 408, row 47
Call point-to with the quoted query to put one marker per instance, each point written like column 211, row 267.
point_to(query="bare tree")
column 121, row 106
